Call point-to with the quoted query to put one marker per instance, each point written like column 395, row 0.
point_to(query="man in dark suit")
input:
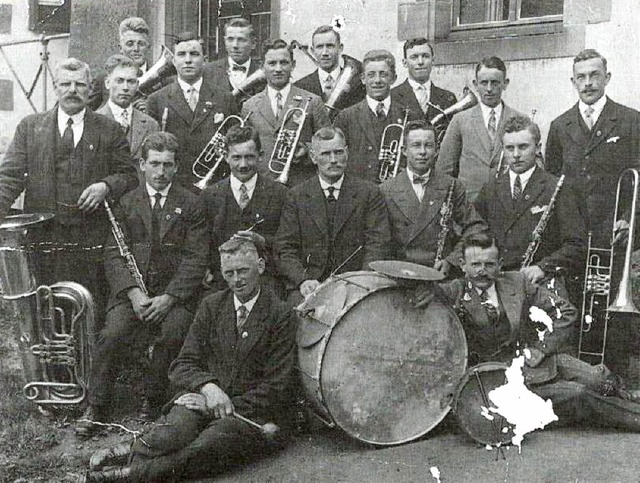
column 418, row 93
column 232, row 72
column 472, row 145
column 364, row 122
column 122, row 84
column 167, row 235
column 238, row 358
column 269, row 107
column 245, row 200
column 67, row 160
column 190, row 108
column 424, row 205
column 513, row 204
column 331, row 221
column 327, row 49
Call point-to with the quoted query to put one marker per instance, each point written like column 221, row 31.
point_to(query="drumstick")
column 269, row 430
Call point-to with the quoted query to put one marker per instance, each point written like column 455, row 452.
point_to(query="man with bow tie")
column 122, row 85
column 192, row 107
column 167, row 235
column 415, row 199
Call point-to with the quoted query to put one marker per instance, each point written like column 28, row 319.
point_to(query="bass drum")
column 371, row 363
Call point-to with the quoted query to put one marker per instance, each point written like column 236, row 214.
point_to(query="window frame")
column 513, row 21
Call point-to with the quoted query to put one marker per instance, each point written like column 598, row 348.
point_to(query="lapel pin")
column 245, row 334
column 168, row 217
column 218, row 118
column 430, row 202
column 208, row 104
column 599, row 133
column 466, row 297
column 526, row 197
column 178, row 211
column 90, row 147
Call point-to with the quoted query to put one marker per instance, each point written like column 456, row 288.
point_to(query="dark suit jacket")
column 265, row 122
column 193, row 130
column 593, row 161
column 218, row 73
column 415, row 226
column 517, row 295
column 362, row 140
column 512, row 223
column 441, row 98
column 254, row 371
column 468, row 153
column 141, row 126
column 184, row 243
column 312, row 84
column 29, row 164
column 303, row 240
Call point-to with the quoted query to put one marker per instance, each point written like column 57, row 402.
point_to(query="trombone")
column 287, row 140
column 215, row 152
column 391, row 148
column 596, row 304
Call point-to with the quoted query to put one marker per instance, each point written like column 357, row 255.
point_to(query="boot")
column 114, row 456
column 112, row 475
column 86, row 427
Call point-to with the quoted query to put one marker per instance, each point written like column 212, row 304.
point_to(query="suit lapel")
column 535, row 187
column 366, row 126
column 264, row 109
column 512, row 302
column 603, row 127
column 254, row 326
column 482, row 135
column 137, row 132
column 316, row 206
column 171, row 211
column 472, row 304
column 142, row 198
column 226, row 328
column 345, row 205
column 434, row 195
column 404, row 197
column 178, row 103
column 89, row 141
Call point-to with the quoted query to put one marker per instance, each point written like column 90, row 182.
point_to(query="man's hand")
column 533, row 273
column 218, row 403
column 301, row 152
column 442, row 266
column 308, row 286
column 139, row 301
column 92, row 197
column 140, row 104
column 194, row 401
column 423, row 294
column 535, row 356
column 620, row 231
column 158, row 308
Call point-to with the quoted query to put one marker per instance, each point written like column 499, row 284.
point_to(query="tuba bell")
column 241, row 92
column 441, row 120
column 55, row 327
column 150, row 81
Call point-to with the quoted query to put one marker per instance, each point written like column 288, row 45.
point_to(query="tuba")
column 215, row 152
column 241, row 92
column 56, row 324
column 596, row 305
column 441, row 120
column 150, row 81
column 390, row 152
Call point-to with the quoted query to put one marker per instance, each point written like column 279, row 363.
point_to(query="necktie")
column 244, row 196
column 423, row 98
column 238, row 68
column 124, row 121
column 492, row 311
column 588, row 112
column 241, row 316
column 517, row 188
column 192, row 98
column 380, row 111
column 67, row 137
column 331, row 198
column 328, row 86
column 278, row 105
column 155, row 213
column 492, row 124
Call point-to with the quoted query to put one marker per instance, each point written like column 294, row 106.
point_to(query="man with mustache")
column 122, row 84
column 167, row 235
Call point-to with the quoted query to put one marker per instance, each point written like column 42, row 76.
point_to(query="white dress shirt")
column 271, row 92
column 418, row 188
column 236, row 183
column 524, row 178
column 373, row 104
column 117, row 111
column 77, row 127
column 415, row 85
column 248, row 304
column 237, row 77
column 186, row 88
column 151, row 191
column 337, row 185
column 335, row 73
column 486, row 114
column 597, row 107
column 492, row 295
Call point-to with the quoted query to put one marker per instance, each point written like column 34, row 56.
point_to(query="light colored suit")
column 467, row 151
column 141, row 126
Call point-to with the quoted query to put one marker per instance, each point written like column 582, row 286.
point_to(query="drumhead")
column 389, row 370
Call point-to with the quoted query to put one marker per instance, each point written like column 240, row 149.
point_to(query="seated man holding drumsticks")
column 234, row 368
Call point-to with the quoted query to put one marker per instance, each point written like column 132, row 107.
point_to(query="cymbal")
column 405, row 270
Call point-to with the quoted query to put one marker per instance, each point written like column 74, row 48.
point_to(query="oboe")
column 125, row 252
column 446, row 212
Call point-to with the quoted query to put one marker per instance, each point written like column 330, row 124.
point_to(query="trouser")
column 114, row 342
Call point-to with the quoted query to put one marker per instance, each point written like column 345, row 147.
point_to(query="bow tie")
column 420, row 179
column 239, row 68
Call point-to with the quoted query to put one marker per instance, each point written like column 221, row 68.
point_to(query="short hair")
column 72, row 65
column 275, row 44
column 239, row 245
column 241, row 134
column 492, row 63
column 240, row 22
column 160, row 141
column 419, row 125
column 380, row 54
column 133, row 24
column 325, row 29
column 522, row 123
column 327, row 134
column 186, row 36
column 409, row 44
column 481, row 240
column 119, row 60
column 587, row 54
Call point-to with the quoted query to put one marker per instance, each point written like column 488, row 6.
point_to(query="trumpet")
column 391, row 149
column 287, row 141
column 215, row 152
column 596, row 306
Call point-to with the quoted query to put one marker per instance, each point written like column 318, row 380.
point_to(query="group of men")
column 467, row 208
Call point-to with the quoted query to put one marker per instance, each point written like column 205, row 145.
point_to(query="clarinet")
column 446, row 212
column 125, row 252
column 536, row 236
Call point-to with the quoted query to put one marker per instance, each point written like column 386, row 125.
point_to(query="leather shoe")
column 86, row 427
column 149, row 411
column 114, row 456
column 108, row 476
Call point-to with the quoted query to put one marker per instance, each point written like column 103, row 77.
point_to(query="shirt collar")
column 235, row 182
column 284, row 91
column 411, row 174
column 151, row 191
column 415, row 85
column 185, row 86
column 323, row 74
column 373, row 104
column 492, row 293
column 486, row 111
column 524, row 177
column 63, row 117
column 337, row 185
column 597, row 107
column 231, row 63
column 116, row 110
column 248, row 304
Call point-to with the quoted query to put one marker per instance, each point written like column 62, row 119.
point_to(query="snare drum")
column 374, row 365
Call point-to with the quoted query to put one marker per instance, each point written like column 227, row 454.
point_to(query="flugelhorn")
column 215, row 152
column 596, row 305
column 152, row 78
column 287, row 141
column 391, row 148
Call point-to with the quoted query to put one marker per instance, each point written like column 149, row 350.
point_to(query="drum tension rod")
column 496, row 430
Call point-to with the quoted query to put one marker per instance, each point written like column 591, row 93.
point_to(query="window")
column 50, row 16
column 492, row 13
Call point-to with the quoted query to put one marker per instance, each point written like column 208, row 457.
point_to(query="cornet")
column 215, row 152
column 391, row 148
column 287, row 141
